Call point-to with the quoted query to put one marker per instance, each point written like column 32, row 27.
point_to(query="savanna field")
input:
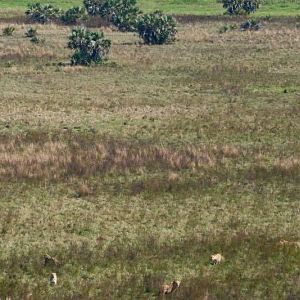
column 133, row 172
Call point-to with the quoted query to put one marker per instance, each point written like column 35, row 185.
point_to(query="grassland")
column 134, row 172
column 194, row 7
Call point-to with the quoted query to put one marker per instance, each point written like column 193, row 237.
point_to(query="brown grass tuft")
column 57, row 159
column 289, row 165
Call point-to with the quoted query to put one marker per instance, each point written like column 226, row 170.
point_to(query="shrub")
column 237, row 7
column 226, row 28
column 121, row 13
column 156, row 28
column 89, row 46
column 31, row 32
column 251, row 24
column 125, row 18
column 42, row 13
column 36, row 40
column 72, row 15
column 8, row 31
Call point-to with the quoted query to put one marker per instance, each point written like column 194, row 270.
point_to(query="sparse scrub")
column 42, row 13
column 90, row 47
column 238, row 7
column 73, row 15
column 8, row 31
column 251, row 24
column 226, row 28
column 36, row 40
column 31, row 32
column 157, row 28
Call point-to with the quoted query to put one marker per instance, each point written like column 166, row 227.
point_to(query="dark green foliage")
column 8, row 31
column 42, row 13
column 156, row 28
column 125, row 18
column 72, row 15
column 251, row 24
column 237, row 7
column 121, row 13
column 90, row 47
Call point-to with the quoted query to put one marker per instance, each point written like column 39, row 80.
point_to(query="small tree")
column 40, row 13
column 237, row 7
column 90, row 47
column 157, row 28
column 72, row 15
column 121, row 13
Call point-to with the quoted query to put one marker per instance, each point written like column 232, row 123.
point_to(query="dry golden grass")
column 289, row 165
column 53, row 160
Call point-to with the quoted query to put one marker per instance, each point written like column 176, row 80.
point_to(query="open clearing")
column 134, row 172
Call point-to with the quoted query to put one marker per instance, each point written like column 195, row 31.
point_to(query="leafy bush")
column 89, row 46
column 237, row 7
column 125, row 19
column 121, row 13
column 8, row 31
column 42, row 13
column 251, row 24
column 72, row 15
column 156, row 28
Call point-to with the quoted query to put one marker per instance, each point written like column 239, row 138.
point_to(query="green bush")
column 156, row 28
column 8, row 31
column 42, row 13
column 251, row 24
column 72, row 15
column 237, row 7
column 121, row 13
column 90, row 47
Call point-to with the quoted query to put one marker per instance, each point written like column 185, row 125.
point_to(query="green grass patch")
column 194, row 7
column 134, row 172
